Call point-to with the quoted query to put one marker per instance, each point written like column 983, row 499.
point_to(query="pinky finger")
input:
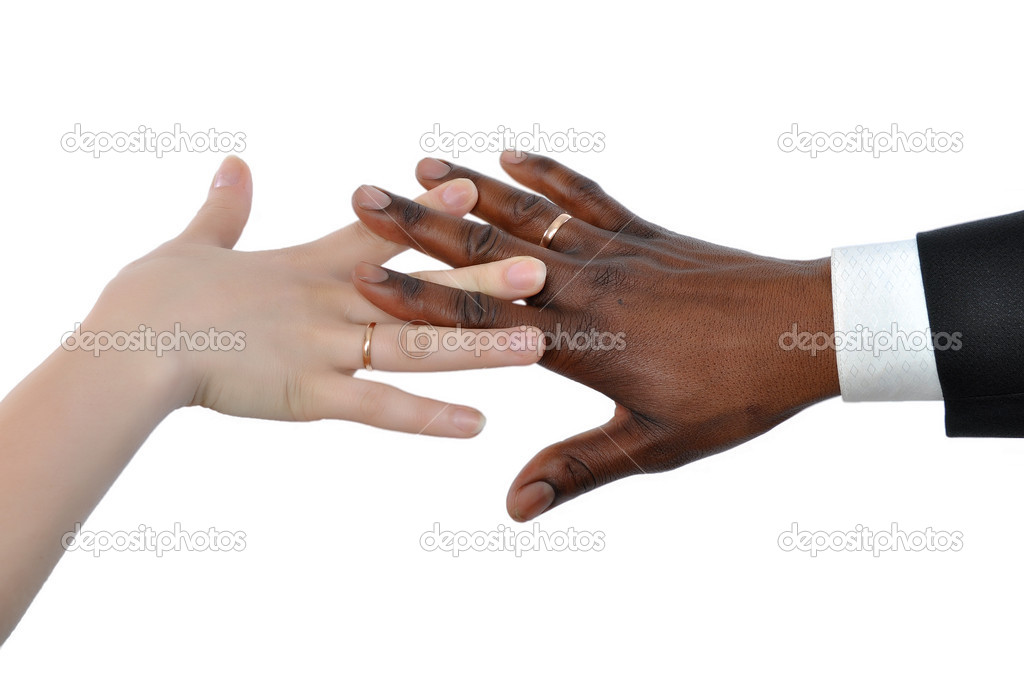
column 345, row 398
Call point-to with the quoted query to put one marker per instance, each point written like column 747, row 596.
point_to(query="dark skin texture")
column 700, row 368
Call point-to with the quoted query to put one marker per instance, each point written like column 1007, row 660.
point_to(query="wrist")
column 126, row 354
column 809, row 335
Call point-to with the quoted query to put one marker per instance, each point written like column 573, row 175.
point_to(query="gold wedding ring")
column 545, row 240
column 366, row 345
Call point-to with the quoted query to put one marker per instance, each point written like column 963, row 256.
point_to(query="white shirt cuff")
column 883, row 340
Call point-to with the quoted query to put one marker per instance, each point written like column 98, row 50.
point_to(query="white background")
column 691, row 581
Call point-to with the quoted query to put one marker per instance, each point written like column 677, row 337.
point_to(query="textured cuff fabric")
column 974, row 279
column 884, row 346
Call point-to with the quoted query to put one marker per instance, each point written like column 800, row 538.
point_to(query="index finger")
column 458, row 242
column 360, row 244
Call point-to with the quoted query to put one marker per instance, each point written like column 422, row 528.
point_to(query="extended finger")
column 346, row 398
column 405, row 297
column 575, row 466
column 452, row 240
column 341, row 249
column 521, row 213
column 579, row 195
column 222, row 217
column 424, row 348
column 512, row 279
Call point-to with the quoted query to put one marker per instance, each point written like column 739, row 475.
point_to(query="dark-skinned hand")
column 699, row 367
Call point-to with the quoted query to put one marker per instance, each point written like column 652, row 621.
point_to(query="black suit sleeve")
column 974, row 285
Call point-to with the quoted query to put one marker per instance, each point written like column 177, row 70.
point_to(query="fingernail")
column 512, row 156
column 533, row 499
column 372, row 198
column 526, row 275
column 229, row 174
column 469, row 421
column 431, row 168
column 370, row 273
column 457, row 193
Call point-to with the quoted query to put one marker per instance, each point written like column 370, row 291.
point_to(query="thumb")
column 221, row 219
column 577, row 465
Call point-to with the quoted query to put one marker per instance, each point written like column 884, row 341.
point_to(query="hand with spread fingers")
column 275, row 334
column 683, row 335
column 307, row 330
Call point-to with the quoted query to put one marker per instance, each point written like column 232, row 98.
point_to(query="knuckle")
column 411, row 288
column 577, row 470
column 626, row 221
column 297, row 401
column 584, row 190
column 475, row 310
column 368, row 237
column 413, row 213
column 321, row 295
column 372, row 405
column 527, row 206
column 217, row 207
column 483, row 241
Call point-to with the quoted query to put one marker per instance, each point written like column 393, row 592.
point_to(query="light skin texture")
column 699, row 368
column 70, row 427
